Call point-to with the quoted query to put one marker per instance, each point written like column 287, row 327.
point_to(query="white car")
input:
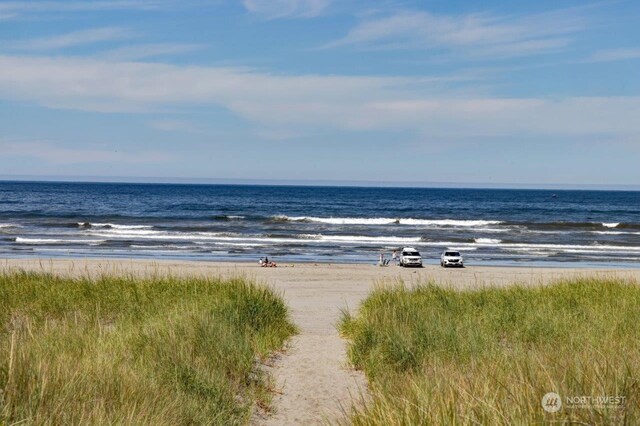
column 451, row 258
column 410, row 257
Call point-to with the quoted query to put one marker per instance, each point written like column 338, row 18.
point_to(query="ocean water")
column 329, row 224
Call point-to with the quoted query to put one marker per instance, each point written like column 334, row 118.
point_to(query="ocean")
column 318, row 224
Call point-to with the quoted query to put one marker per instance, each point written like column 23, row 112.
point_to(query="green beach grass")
column 441, row 356
column 126, row 350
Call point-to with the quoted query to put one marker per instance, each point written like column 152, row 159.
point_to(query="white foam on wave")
column 199, row 246
column 487, row 241
column 388, row 221
column 157, row 235
column 370, row 240
column 341, row 220
column 9, row 225
column 252, row 239
column 22, row 240
column 610, row 224
column 532, row 247
column 243, row 244
column 113, row 225
column 128, row 232
column 586, row 251
column 161, row 247
column 449, row 222
column 614, row 233
column 493, row 230
column 565, row 247
column 309, row 236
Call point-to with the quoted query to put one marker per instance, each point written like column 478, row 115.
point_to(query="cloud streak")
column 149, row 50
column 14, row 10
column 472, row 35
column 72, row 39
column 78, row 6
column 305, row 103
column 274, row 9
column 613, row 55
column 52, row 153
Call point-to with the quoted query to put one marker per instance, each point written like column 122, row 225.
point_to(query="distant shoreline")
column 391, row 270
column 428, row 263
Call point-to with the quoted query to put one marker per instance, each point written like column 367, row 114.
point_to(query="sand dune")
column 312, row 378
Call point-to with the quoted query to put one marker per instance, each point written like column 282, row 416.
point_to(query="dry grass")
column 125, row 350
column 440, row 356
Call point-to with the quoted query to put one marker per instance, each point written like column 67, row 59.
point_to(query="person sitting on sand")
column 265, row 263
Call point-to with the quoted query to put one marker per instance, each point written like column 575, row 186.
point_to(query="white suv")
column 451, row 258
column 410, row 257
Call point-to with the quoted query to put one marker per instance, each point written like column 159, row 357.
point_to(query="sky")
column 528, row 92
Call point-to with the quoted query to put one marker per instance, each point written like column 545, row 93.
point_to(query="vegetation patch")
column 128, row 350
column 439, row 356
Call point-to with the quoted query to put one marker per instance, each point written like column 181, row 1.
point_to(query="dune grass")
column 125, row 350
column 441, row 356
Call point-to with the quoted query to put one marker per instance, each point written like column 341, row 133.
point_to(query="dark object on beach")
column 265, row 263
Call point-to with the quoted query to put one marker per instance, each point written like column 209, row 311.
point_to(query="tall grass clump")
column 441, row 356
column 127, row 350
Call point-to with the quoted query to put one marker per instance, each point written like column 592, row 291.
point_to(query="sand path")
column 312, row 375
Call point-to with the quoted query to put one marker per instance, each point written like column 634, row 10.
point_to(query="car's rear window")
column 410, row 253
column 451, row 253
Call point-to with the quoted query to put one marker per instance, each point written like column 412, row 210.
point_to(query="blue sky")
column 541, row 92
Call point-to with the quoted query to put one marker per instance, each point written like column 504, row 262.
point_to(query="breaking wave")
column 87, row 225
column 35, row 241
column 615, row 233
column 569, row 248
column 385, row 221
column 225, row 217
column 487, row 241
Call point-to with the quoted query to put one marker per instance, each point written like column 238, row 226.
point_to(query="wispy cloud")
column 173, row 125
column 273, row 9
column 17, row 9
column 612, row 55
column 72, row 39
column 473, row 35
column 305, row 103
column 149, row 50
column 51, row 152
column 7, row 16
column 104, row 85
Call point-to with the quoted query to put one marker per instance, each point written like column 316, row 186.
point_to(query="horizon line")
column 313, row 182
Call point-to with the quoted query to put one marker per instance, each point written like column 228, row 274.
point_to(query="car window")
column 410, row 253
column 452, row 253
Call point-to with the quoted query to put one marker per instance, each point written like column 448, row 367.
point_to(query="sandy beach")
column 313, row 381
